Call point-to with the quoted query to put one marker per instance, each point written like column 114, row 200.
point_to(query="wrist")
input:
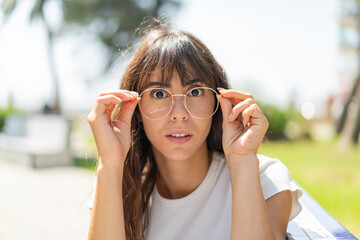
column 243, row 169
column 110, row 165
column 235, row 158
column 240, row 164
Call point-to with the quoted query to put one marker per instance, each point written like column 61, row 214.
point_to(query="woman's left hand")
column 244, row 124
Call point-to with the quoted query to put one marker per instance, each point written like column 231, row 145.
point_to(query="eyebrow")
column 191, row 82
column 160, row 84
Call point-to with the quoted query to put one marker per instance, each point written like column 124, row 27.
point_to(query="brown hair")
column 167, row 51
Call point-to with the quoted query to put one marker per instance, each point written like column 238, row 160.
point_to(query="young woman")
column 178, row 159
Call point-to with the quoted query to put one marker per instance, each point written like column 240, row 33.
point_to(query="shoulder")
column 273, row 171
column 266, row 162
column 267, row 165
column 275, row 178
column 274, row 168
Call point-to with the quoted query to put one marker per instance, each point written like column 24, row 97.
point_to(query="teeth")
column 179, row 135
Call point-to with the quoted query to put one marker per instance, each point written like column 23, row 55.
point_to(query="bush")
column 4, row 112
column 278, row 119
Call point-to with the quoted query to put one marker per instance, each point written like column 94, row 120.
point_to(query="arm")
column 112, row 142
column 279, row 207
column 244, row 126
column 252, row 216
column 107, row 217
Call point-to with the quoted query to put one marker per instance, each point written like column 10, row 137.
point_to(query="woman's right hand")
column 112, row 137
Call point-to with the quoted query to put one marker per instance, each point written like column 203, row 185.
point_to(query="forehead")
column 159, row 78
column 175, row 83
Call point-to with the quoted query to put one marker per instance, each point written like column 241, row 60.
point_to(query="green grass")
column 330, row 176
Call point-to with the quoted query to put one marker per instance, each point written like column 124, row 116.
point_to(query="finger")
column 127, row 112
column 233, row 101
column 240, row 107
column 119, row 93
column 226, row 108
column 110, row 107
column 249, row 113
column 125, row 96
column 110, row 100
column 235, row 94
column 102, row 103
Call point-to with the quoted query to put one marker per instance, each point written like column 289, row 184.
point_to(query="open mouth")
column 179, row 135
column 179, row 138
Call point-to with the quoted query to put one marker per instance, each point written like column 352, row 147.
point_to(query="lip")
column 181, row 140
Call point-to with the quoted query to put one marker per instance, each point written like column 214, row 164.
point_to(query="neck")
column 178, row 178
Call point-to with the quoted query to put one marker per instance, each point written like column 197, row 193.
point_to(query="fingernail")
column 134, row 94
column 220, row 89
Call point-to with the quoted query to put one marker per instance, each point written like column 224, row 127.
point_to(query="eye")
column 195, row 92
column 158, row 94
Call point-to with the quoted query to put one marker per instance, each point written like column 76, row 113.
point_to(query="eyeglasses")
column 200, row 102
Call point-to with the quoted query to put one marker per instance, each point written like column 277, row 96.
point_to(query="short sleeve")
column 275, row 178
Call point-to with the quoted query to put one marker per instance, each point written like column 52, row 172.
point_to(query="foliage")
column 112, row 21
column 84, row 162
column 4, row 112
column 278, row 119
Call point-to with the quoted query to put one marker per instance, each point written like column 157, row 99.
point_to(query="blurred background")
column 300, row 59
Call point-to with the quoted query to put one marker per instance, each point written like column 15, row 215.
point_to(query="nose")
column 178, row 111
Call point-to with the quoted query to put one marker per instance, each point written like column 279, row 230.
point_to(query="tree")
column 348, row 124
column 37, row 12
column 117, row 20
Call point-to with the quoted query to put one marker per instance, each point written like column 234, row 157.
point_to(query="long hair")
column 167, row 51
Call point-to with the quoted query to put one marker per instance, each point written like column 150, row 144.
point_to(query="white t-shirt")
column 206, row 212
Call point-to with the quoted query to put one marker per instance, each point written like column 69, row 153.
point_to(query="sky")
column 278, row 50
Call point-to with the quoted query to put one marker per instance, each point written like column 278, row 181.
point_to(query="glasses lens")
column 155, row 103
column 201, row 102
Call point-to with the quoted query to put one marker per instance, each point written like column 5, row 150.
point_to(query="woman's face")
column 178, row 136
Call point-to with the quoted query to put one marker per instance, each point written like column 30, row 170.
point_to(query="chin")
column 178, row 154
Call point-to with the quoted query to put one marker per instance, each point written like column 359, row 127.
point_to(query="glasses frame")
column 218, row 96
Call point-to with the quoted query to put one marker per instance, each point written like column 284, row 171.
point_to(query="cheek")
column 151, row 128
column 205, row 127
column 146, row 125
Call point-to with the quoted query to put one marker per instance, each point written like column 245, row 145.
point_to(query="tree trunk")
column 350, row 131
column 356, row 132
column 344, row 114
column 55, row 99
